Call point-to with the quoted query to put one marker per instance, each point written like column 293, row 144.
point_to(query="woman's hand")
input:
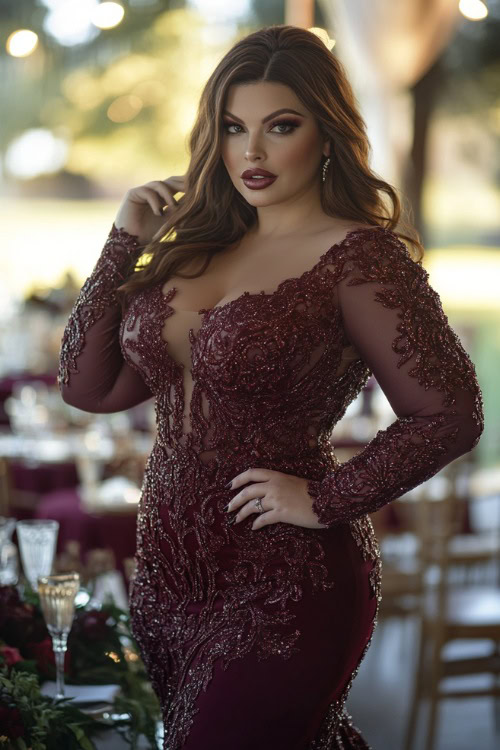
column 142, row 211
column 284, row 498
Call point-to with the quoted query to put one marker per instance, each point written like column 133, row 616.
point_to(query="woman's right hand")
column 142, row 211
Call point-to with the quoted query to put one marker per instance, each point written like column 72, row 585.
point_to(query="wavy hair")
column 212, row 214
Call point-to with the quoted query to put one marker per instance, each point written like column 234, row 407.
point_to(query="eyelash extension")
column 290, row 123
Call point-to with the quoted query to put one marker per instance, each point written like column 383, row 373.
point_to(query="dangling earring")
column 325, row 168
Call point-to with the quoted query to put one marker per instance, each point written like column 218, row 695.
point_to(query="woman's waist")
column 231, row 460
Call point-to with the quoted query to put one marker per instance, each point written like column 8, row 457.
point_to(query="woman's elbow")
column 469, row 432
column 79, row 401
column 476, row 429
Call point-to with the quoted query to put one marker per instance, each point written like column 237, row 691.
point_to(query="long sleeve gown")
column 252, row 638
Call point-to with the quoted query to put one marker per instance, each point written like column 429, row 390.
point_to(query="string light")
column 21, row 43
column 107, row 15
column 474, row 10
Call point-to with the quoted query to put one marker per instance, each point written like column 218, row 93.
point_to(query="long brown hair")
column 212, row 214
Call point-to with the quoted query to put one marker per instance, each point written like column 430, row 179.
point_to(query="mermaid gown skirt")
column 250, row 637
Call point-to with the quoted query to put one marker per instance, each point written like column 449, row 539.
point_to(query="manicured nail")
column 228, row 485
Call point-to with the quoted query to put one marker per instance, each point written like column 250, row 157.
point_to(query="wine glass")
column 37, row 543
column 57, row 600
column 8, row 552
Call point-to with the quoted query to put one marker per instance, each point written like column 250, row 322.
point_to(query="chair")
column 448, row 612
column 5, row 489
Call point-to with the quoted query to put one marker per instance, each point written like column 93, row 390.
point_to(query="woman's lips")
column 258, row 183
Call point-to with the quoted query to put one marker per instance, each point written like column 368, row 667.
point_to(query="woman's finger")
column 249, row 509
column 154, row 200
column 251, row 475
column 166, row 194
column 264, row 519
column 257, row 489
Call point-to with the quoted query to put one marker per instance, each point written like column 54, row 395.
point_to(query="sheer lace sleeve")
column 395, row 320
column 93, row 375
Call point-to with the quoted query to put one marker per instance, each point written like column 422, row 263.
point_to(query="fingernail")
column 228, row 485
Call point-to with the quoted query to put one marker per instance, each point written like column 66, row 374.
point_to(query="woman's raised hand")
column 142, row 211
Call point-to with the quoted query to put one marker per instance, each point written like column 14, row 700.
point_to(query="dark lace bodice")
column 261, row 381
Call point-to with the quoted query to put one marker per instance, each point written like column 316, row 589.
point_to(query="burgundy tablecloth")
column 43, row 477
column 115, row 531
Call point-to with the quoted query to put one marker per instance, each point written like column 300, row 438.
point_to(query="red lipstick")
column 257, row 179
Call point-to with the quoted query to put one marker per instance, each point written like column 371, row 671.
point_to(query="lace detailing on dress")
column 97, row 294
column 338, row 731
column 261, row 381
column 446, row 414
column 263, row 375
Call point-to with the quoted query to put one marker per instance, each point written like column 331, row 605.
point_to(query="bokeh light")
column 125, row 108
column 221, row 10
column 34, row 152
column 323, row 35
column 474, row 10
column 70, row 21
column 107, row 15
column 21, row 43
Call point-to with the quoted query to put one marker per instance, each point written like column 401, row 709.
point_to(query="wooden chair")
column 449, row 612
column 470, row 555
column 5, row 489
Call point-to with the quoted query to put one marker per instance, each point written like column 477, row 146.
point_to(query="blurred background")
column 97, row 97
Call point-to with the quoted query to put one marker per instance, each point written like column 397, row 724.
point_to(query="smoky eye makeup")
column 289, row 122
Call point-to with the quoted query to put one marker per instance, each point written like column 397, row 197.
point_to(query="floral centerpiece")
column 101, row 650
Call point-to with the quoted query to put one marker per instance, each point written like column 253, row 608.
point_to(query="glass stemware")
column 57, row 600
column 37, row 543
column 8, row 552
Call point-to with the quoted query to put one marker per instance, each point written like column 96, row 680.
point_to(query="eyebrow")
column 269, row 117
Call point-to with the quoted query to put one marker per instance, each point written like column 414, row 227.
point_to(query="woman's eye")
column 228, row 125
column 283, row 124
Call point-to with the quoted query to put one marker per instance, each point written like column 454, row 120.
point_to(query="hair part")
column 212, row 215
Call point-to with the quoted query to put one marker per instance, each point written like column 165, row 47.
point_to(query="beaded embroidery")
column 262, row 381
column 96, row 294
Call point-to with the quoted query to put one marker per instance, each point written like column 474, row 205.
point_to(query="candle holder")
column 57, row 600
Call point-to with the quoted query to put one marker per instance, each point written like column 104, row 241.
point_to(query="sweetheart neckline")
column 295, row 279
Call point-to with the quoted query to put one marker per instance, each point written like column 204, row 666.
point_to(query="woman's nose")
column 254, row 149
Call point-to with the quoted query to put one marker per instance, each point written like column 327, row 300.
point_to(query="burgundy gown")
column 251, row 637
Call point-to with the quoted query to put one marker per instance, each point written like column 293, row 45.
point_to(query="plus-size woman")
column 258, row 313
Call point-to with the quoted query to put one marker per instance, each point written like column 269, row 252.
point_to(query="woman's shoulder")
column 350, row 238
column 376, row 253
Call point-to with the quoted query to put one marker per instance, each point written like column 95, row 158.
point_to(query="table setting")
column 70, row 670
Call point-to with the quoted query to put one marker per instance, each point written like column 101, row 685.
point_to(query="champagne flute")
column 57, row 599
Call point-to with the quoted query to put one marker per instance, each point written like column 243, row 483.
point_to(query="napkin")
column 83, row 693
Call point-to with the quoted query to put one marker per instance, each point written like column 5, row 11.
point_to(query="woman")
column 258, row 574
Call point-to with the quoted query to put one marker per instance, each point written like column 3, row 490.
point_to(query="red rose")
column 43, row 653
column 20, row 622
column 11, row 722
column 11, row 655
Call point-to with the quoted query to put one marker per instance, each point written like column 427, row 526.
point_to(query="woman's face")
column 288, row 144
